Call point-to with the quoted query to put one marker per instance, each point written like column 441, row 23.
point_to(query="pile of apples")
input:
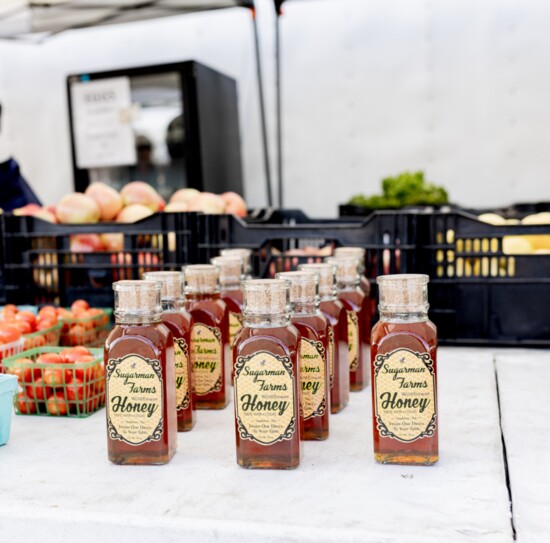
column 15, row 324
column 136, row 201
column 58, row 383
column 532, row 244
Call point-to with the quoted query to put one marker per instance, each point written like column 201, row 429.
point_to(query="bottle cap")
column 304, row 288
column 172, row 283
column 347, row 268
column 137, row 298
column 327, row 277
column 201, row 279
column 266, row 297
column 231, row 268
column 403, row 293
column 245, row 254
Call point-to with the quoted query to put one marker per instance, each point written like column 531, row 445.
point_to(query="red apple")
column 77, row 208
column 107, row 198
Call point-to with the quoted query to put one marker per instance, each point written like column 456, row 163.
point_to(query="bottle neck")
column 304, row 309
column 202, row 296
column 171, row 305
column 138, row 318
column 403, row 317
column 230, row 286
column 349, row 285
column 328, row 296
column 266, row 320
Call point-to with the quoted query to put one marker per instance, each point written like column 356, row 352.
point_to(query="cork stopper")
column 266, row 297
column 304, row 287
column 231, row 269
column 352, row 252
column 245, row 254
column 172, row 283
column 347, row 269
column 137, row 298
column 327, row 277
column 403, row 293
column 201, row 279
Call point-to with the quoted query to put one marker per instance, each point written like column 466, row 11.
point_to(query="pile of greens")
column 405, row 189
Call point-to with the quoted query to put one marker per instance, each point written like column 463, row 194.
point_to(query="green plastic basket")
column 58, row 389
column 89, row 332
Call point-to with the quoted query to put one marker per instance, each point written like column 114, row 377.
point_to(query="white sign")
column 102, row 118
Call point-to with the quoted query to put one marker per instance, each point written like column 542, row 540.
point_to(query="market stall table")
column 56, row 480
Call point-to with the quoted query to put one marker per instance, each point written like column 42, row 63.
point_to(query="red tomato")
column 9, row 333
column 27, row 316
column 77, row 391
column 25, row 406
column 38, row 390
column 56, row 377
column 56, row 404
column 24, row 370
column 24, row 327
column 48, row 311
column 10, row 308
column 49, row 358
column 86, row 374
column 45, row 322
column 80, row 304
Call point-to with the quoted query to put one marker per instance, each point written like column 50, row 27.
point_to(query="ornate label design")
column 353, row 340
column 235, row 325
column 206, row 358
column 331, row 354
column 134, row 399
column 183, row 394
column 313, row 378
column 405, row 395
column 265, row 403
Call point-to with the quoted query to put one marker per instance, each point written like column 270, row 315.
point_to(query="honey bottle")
column 314, row 371
column 231, row 275
column 360, row 254
column 140, row 378
column 333, row 309
column 404, row 373
column 267, row 379
column 179, row 321
column 210, row 355
column 245, row 254
column 358, row 310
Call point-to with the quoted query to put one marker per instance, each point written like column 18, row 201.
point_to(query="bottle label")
column 235, row 325
column 206, row 358
column 405, row 395
column 313, row 378
column 183, row 395
column 331, row 354
column 266, row 406
column 353, row 340
column 134, row 399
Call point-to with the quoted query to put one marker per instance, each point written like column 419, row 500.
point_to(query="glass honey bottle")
column 404, row 373
column 231, row 275
column 359, row 318
column 267, row 379
column 314, row 371
column 140, row 378
column 360, row 254
column 210, row 354
column 179, row 321
column 333, row 309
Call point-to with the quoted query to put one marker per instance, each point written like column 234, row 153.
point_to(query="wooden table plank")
column 524, row 386
column 55, row 478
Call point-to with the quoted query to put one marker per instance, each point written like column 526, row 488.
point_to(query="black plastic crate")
column 277, row 237
column 40, row 266
column 481, row 294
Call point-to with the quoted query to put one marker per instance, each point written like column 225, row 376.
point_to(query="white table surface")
column 524, row 389
column 56, row 483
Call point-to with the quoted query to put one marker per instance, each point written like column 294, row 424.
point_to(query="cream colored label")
column 183, row 394
column 134, row 399
column 206, row 359
column 331, row 354
column 313, row 378
column 235, row 325
column 405, row 395
column 353, row 340
column 266, row 406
